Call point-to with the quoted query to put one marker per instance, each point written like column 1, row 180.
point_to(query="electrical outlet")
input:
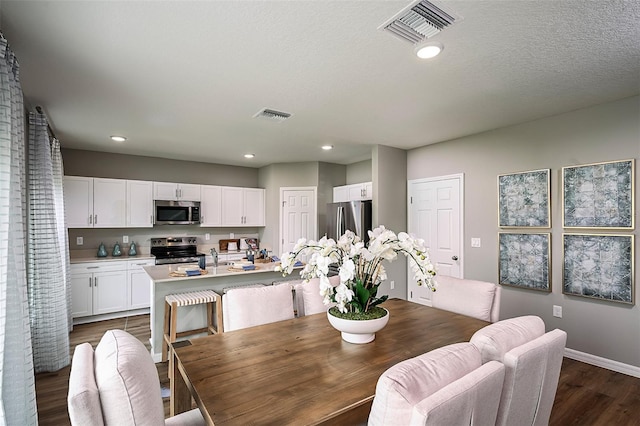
column 79, row 241
column 393, row 284
column 231, row 235
column 557, row 311
column 125, row 239
column 207, row 236
column 475, row 242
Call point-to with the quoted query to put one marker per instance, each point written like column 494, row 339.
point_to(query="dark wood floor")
column 586, row 395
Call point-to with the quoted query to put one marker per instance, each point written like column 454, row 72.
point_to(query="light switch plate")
column 125, row 239
column 207, row 236
column 79, row 241
column 475, row 242
column 557, row 311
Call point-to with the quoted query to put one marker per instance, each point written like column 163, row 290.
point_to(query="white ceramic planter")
column 358, row 331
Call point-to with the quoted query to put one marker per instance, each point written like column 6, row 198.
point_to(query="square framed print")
column 524, row 260
column 523, row 199
column 599, row 195
column 599, row 267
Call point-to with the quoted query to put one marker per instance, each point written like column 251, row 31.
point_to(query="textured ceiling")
column 183, row 79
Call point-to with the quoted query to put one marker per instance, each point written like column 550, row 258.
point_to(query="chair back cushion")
column 471, row 400
column 83, row 399
column 466, row 297
column 407, row 383
column 247, row 307
column 495, row 340
column 531, row 380
column 313, row 303
column 128, row 381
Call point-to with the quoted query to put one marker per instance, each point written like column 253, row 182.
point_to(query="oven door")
column 176, row 213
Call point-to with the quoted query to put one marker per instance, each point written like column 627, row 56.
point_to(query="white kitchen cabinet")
column 95, row 202
column 139, row 204
column 176, row 191
column 210, row 205
column 98, row 288
column 242, row 206
column 354, row 192
column 139, row 284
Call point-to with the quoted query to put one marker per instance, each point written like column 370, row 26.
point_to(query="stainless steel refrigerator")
column 351, row 215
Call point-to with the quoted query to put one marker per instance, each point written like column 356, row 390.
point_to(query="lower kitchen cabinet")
column 139, row 292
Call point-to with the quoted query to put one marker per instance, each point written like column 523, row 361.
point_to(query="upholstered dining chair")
column 447, row 386
column 311, row 298
column 478, row 299
column 532, row 360
column 118, row 384
column 250, row 306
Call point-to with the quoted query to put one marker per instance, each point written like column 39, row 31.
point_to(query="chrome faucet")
column 214, row 256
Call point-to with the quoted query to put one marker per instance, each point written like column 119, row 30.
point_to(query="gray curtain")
column 47, row 260
column 17, row 382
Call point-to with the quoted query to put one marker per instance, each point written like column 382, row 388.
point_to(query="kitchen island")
column 216, row 279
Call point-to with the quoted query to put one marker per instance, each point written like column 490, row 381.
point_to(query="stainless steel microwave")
column 176, row 212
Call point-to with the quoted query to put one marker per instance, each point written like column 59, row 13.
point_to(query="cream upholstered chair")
column 312, row 300
column 447, row 386
column 118, row 384
column 478, row 299
column 250, row 306
column 532, row 362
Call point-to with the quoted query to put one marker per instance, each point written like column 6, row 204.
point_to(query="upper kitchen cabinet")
column 355, row 192
column 95, row 202
column 210, row 205
column 242, row 206
column 139, row 204
column 176, row 191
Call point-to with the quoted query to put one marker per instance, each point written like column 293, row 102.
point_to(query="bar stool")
column 173, row 301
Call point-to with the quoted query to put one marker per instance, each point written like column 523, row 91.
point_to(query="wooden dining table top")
column 300, row 371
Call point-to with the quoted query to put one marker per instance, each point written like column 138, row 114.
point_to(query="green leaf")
column 362, row 294
column 377, row 301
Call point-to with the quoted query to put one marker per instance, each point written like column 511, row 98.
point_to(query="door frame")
column 283, row 189
column 410, row 219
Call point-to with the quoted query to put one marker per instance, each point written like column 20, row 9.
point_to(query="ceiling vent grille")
column 272, row 115
column 419, row 21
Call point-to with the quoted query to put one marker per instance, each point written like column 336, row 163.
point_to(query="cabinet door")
column 340, row 194
column 188, row 192
column 139, row 204
column 254, row 207
column 165, row 191
column 367, row 191
column 356, row 192
column 81, row 294
column 109, row 203
column 109, row 292
column 139, row 290
column 210, row 205
column 232, row 206
column 78, row 201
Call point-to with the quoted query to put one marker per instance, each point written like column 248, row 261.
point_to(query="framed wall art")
column 599, row 195
column 523, row 199
column 524, row 260
column 599, row 267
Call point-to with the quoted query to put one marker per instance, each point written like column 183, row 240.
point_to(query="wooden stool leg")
column 165, row 344
column 210, row 329
column 172, row 335
column 219, row 325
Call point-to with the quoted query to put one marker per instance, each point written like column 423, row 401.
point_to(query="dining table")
column 300, row 371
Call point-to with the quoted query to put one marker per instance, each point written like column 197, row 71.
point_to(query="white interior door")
column 435, row 214
column 298, row 216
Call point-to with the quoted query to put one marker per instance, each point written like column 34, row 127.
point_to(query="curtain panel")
column 17, row 382
column 47, row 266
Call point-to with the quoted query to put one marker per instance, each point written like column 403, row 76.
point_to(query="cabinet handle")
column 90, row 219
column 95, row 219
column 89, row 281
column 95, row 281
column 92, row 267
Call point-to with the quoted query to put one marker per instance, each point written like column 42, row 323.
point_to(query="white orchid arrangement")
column 360, row 268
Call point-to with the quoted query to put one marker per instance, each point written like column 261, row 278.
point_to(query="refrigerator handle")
column 339, row 222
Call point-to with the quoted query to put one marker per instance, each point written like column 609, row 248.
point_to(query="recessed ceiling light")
column 249, row 155
column 429, row 50
column 327, row 147
column 118, row 138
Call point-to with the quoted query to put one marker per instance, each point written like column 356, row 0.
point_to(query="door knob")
column 454, row 257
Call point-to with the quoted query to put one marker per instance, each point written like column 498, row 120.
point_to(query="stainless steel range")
column 175, row 250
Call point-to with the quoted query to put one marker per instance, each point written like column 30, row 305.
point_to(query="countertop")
column 110, row 258
column 160, row 273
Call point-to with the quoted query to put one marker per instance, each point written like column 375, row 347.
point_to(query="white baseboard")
column 609, row 364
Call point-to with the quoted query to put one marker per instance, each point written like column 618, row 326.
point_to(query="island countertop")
column 160, row 273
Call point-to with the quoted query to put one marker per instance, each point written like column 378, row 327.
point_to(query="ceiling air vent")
column 419, row 21
column 272, row 115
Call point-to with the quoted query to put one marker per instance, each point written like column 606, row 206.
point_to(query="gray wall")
column 601, row 133
column 358, row 172
column 120, row 166
column 329, row 175
column 389, row 166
